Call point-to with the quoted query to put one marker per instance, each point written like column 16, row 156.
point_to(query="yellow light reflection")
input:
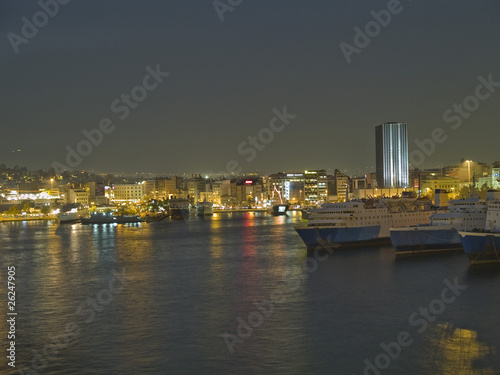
column 457, row 350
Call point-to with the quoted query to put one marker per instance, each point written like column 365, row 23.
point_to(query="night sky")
column 226, row 77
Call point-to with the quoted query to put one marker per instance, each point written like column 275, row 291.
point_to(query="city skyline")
column 220, row 84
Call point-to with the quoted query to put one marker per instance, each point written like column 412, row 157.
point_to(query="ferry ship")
column 179, row 208
column 441, row 233
column 482, row 244
column 204, row 208
column 358, row 223
column 71, row 214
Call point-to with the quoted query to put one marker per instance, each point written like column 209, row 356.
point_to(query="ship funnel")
column 441, row 198
column 493, row 195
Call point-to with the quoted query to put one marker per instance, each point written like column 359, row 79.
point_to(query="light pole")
column 468, row 170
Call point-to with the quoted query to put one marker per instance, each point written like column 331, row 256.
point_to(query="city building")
column 289, row 185
column 452, row 185
column 315, row 186
column 248, row 191
column 243, row 192
column 78, row 196
column 96, row 193
column 164, row 188
column 195, row 186
column 128, row 192
column 391, row 143
column 491, row 182
column 212, row 192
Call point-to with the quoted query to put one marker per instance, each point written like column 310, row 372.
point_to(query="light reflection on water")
column 457, row 350
column 190, row 281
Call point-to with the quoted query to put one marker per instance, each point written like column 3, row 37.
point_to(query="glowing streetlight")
column 468, row 169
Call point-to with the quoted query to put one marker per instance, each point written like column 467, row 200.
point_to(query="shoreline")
column 14, row 219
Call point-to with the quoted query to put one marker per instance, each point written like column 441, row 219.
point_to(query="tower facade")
column 391, row 144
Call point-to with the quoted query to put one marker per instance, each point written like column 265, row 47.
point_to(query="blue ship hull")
column 481, row 247
column 330, row 237
column 425, row 240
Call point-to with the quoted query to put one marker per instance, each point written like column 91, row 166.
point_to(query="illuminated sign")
column 248, row 182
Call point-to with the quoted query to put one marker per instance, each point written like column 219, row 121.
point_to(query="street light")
column 468, row 169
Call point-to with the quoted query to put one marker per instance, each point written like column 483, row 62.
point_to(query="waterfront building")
column 315, row 186
column 248, row 191
column 370, row 192
column 391, row 143
column 242, row 192
column 128, row 192
column 452, row 185
column 163, row 188
column 289, row 185
column 78, row 196
column 342, row 185
column 491, row 181
column 195, row 186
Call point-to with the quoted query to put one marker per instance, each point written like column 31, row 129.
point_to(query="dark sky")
column 226, row 78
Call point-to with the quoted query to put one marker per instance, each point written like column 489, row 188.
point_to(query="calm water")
column 183, row 285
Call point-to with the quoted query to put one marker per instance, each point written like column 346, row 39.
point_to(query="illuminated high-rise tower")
column 392, row 154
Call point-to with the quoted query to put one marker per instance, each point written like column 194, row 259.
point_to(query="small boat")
column 70, row 214
column 280, row 209
column 151, row 218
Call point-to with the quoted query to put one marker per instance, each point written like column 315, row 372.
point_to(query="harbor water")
column 236, row 294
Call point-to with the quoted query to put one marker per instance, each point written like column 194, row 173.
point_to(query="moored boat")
column 482, row 245
column 204, row 208
column 280, row 209
column 179, row 208
column 358, row 223
column 71, row 213
column 109, row 218
column 151, row 218
column 441, row 233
